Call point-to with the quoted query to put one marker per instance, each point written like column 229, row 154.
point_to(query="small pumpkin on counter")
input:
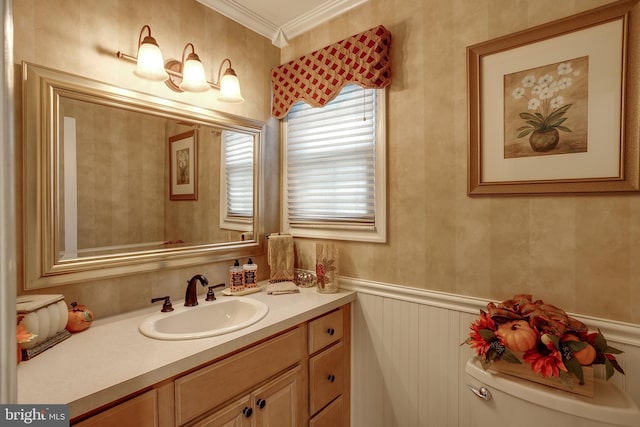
column 80, row 318
column 517, row 335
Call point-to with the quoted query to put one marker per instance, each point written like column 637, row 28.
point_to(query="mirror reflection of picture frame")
column 183, row 166
column 596, row 150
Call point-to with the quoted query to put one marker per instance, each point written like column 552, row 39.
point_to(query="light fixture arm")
column 227, row 70
column 191, row 55
column 148, row 36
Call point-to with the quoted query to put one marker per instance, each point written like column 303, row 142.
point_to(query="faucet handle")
column 166, row 307
column 210, row 295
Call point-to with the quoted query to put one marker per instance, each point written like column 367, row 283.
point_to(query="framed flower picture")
column 554, row 109
column 183, row 166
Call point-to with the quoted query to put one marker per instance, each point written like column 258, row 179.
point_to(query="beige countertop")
column 112, row 359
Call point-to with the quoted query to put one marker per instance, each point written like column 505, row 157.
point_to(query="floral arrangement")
column 541, row 335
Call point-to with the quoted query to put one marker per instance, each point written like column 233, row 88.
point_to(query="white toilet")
column 503, row 400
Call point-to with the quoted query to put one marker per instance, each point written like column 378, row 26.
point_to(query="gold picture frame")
column 554, row 109
column 183, row 166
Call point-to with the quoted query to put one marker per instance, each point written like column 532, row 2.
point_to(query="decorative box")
column 566, row 381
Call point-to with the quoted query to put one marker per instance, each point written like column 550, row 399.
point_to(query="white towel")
column 279, row 288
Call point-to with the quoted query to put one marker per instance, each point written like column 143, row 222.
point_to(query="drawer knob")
column 331, row 331
column 331, row 378
column 261, row 403
column 247, row 412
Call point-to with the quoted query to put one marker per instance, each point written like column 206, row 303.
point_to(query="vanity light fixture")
column 229, row 84
column 193, row 78
column 150, row 63
column 182, row 76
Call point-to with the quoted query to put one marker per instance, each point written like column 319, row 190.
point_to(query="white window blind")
column 237, row 155
column 331, row 163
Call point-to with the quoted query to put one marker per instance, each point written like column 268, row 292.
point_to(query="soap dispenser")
column 250, row 271
column 236, row 277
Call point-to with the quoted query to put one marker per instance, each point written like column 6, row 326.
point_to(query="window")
column 236, row 192
column 334, row 167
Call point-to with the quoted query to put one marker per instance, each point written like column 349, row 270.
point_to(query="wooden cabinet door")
column 141, row 411
column 279, row 402
column 236, row 414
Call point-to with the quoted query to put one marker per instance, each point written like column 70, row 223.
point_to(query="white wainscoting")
column 408, row 364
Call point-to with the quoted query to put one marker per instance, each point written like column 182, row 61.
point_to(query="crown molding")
column 280, row 34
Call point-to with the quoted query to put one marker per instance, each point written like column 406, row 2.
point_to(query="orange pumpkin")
column 586, row 356
column 80, row 318
column 517, row 335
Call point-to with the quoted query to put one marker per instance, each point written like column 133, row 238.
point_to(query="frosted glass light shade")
column 193, row 78
column 150, row 63
column 230, row 88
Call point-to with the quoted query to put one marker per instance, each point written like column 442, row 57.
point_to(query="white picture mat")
column 182, row 189
column 603, row 45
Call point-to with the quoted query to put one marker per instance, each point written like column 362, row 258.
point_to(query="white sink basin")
column 207, row 319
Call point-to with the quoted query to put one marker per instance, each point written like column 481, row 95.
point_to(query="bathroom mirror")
column 119, row 182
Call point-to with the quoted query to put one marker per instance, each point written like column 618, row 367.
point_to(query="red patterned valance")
column 317, row 78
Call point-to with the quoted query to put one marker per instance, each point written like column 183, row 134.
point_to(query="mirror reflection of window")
column 237, row 176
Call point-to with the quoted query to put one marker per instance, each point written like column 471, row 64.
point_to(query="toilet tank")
column 512, row 401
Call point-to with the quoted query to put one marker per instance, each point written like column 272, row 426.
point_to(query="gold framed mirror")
column 102, row 167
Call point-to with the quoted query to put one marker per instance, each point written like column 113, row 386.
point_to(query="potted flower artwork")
column 548, row 93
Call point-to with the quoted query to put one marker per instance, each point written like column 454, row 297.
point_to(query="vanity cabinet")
column 329, row 369
column 296, row 378
column 268, row 373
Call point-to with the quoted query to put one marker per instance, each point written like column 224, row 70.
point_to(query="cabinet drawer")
column 331, row 416
column 141, row 411
column 207, row 388
column 326, row 372
column 325, row 330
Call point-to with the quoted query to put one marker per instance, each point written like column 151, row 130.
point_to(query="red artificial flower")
column 475, row 339
column 548, row 364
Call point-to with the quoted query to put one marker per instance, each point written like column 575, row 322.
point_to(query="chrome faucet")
column 191, row 297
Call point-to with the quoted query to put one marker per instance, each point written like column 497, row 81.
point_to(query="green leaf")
column 487, row 334
column 540, row 116
column 508, row 356
column 557, row 123
column 574, row 367
column 564, row 129
column 616, row 366
column 530, row 117
column 608, row 368
column 600, row 343
column 559, row 112
column 525, row 132
column 613, row 350
column 575, row 346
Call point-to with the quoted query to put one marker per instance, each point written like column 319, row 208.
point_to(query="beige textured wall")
column 580, row 253
column 116, row 147
column 82, row 36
